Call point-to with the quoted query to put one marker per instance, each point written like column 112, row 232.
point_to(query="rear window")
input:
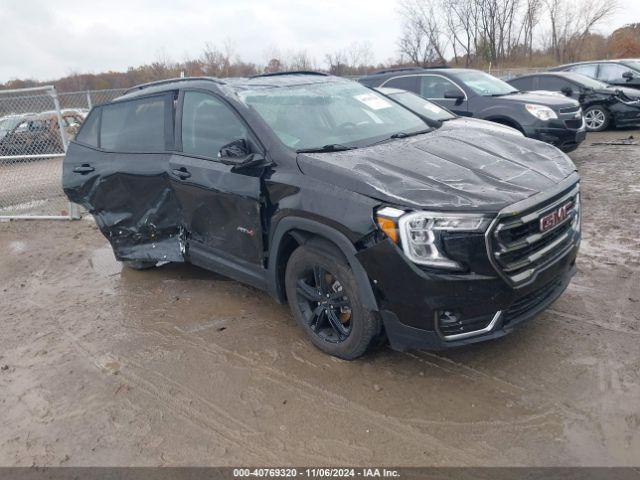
column 88, row 134
column 134, row 125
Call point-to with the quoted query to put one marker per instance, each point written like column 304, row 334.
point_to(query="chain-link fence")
column 33, row 140
column 35, row 127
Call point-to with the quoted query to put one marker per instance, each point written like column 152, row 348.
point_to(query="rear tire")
column 139, row 265
column 324, row 299
column 597, row 118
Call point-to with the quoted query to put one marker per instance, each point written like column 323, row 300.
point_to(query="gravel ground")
column 101, row 365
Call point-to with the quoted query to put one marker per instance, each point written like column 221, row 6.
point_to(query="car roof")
column 279, row 79
column 587, row 62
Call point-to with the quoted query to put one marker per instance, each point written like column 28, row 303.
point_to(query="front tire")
column 597, row 118
column 323, row 297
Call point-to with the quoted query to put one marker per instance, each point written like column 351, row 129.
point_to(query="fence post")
column 73, row 208
column 89, row 105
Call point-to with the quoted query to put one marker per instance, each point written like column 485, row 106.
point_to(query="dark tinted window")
column 524, row 84
column 88, row 134
column 208, row 124
column 552, row 83
column 404, row 83
column 134, row 125
column 432, row 86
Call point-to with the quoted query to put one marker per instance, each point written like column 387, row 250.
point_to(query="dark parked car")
column 622, row 72
column 36, row 133
column 331, row 197
column 477, row 94
column 434, row 114
column 603, row 105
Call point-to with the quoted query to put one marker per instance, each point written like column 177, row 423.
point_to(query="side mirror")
column 238, row 154
column 628, row 75
column 568, row 91
column 236, row 149
column 456, row 95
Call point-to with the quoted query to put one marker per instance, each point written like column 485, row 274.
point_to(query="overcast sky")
column 46, row 39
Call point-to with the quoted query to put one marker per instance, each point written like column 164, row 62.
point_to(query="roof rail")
column 397, row 69
column 408, row 69
column 170, row 80
column 291, row 72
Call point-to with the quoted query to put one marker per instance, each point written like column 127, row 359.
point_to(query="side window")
column 88, row 134
column 587, row 70
column 404, row 83
column 208, row 124
column 551, row 83
column 524, row 84
column 134, row 125
column 432, row 86
column 611, row 72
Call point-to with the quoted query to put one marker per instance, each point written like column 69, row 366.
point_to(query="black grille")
column 529, row 301
column 573, row 123
column 521, row 248
column 573, row 109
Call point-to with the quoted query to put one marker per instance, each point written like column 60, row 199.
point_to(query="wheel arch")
column 291, row 232
column 503, row 120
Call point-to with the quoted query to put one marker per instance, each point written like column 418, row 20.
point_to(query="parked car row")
column 373, row 212
column 37, row 133
column 466, row 92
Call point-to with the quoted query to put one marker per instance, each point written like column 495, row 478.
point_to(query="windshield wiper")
column 402, row 135
column 332, row 147
column 502, row 94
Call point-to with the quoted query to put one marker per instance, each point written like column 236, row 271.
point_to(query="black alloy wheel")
column 324, row 304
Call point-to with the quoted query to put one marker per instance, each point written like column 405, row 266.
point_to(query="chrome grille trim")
column 521, row 269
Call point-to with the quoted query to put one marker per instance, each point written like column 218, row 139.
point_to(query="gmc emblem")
column 554, row 218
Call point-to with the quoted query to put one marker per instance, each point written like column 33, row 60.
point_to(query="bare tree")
column 423, row 39
column 570, row 26
column 300, row 60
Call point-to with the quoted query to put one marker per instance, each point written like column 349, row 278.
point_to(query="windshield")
column 423, row 107
column 7, row 124
column 485, row 84
column 635, row 64
column 332, row 113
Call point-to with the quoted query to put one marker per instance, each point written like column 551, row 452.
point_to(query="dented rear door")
column 117, row 168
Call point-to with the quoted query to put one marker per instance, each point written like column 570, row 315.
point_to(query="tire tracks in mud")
column 199, row 420
column 312, row 392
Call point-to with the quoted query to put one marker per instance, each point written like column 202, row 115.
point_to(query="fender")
column 288, row 224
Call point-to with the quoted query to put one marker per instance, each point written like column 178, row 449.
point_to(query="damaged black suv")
column 368, row 220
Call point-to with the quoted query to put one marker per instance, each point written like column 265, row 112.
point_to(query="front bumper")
column 410, row 298
column 565, row 139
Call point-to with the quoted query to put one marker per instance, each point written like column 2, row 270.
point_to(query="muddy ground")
column 102, row 365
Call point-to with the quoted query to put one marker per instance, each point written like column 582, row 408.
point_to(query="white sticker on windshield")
column 432, row 107
column 373, row 101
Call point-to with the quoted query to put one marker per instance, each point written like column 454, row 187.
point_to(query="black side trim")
column 341, row 241
column 218, row 262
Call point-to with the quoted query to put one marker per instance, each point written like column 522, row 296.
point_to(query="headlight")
column 420, row 233
column 540, row 111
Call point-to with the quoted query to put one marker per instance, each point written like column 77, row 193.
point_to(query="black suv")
column 603, row 105
column 331, row 197
column 477, row 94
column 621, row 73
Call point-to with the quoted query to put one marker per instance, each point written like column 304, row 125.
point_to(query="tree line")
column 470, row 33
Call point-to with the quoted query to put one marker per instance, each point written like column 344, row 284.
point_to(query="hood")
column 554, row 101
column 460, row 169
column 486, row 125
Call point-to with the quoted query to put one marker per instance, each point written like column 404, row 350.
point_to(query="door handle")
column 84, row 168
column 182, row 173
